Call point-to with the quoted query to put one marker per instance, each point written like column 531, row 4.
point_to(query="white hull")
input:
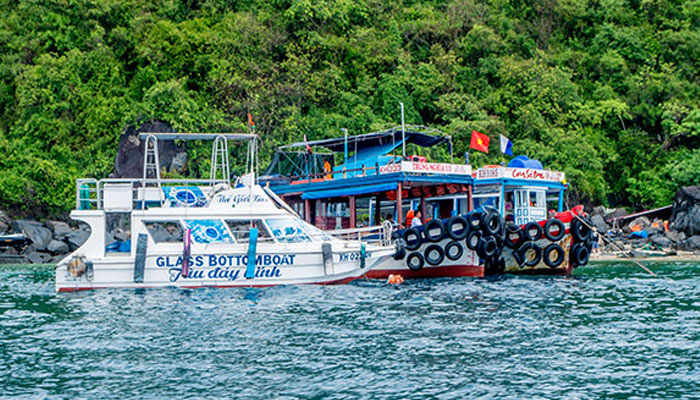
column 224, row 269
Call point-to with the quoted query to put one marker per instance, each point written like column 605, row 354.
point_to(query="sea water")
column 609, row 331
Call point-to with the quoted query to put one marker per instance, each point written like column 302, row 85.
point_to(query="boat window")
column 287, row 230
column 537, row 199
column 314, row 232
column 240, row 229
column 208, row 231
column 165, row 231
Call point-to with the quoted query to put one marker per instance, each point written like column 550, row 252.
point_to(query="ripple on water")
column 606, row 332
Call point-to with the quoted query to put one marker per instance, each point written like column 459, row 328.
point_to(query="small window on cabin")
column 208, row 231
column 165, row 231
column 537, row 199
column 287, row 230
column 240, row 229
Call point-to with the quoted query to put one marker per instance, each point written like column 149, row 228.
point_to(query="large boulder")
column 76, row 238
column 692, row 243
column 129, row 160
column 642, row 222
column 599, row 223
column 60, row 229
column 58, row 247
column 618, row 212
column 685, row 216
column 662, row 241
column 5, row 222
column 35, row 231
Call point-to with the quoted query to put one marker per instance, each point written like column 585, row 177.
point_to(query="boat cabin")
column 358, row 181
column 522, row 191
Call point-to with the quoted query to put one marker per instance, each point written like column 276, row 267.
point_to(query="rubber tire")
column 460, row 251
column 432, row 225
column 419, row 239
column 451, row 230
column 580, row 231
column 548, row 226
column 432, row 248
column 513, row 230
column 530, row 226
column 421, row 261
column 474, row 220
column 580, row 255
column 501, row 264
column 522, row 253
column 491, row 223
column 473, row 243
column 560, row 257
column 488, row 247
column 400, row 249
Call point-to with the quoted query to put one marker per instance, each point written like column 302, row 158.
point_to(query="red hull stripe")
column 449, row 271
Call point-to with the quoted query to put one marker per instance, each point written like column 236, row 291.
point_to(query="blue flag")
column 506, row 146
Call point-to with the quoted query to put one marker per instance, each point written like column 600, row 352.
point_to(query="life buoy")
column 580, row 255
column 529, row 235
column 514, row 230
column 546, row 255
column 487, row 247
column 491, row 222
column 453, row 227
column 474, row 219
column 413, row 238
column 580, row 231
column 429, row 230
column 400, row 249
column 415, row 261
column 473, row 239
column 560, row 229
column 434, row 254
column 454, row 251
column 525, row 260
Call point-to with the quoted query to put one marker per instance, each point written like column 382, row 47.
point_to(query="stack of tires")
column 582, row 241
column 528, row 253
column 426, row 244
column 487, row 238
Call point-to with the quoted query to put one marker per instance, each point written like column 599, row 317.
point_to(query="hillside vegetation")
column 607, row 91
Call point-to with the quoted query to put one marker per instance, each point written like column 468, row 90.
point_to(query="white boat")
column 190, row 233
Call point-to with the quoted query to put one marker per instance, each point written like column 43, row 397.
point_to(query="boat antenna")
column 403, row 132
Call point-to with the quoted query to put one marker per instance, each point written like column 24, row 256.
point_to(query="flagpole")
column 403, row 132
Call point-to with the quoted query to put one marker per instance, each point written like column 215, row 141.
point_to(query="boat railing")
column 126, row 194
column 379, row 234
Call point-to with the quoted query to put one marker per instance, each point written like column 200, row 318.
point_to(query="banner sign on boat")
column 427, row 168
column 229, row 267
column 520, row 173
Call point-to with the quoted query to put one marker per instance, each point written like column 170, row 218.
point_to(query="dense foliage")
column 606, row 90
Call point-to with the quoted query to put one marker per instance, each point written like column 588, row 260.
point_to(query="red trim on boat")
column 448, row 271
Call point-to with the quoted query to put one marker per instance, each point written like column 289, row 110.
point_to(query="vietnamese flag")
column 480, row 142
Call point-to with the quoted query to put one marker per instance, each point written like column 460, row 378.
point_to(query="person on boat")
column 409, row 218
column 327, row 169
column 595, row 248
column 416, row 219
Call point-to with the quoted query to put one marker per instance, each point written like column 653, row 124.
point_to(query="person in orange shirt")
column 409, row 218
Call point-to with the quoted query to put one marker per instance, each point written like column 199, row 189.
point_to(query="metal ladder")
column 151, row 166
column 220, row 160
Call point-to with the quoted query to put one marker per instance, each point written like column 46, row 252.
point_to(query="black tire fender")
column 473, row 240
column 432, row 249
column 430, row 227
column 488, row 247
column 522, row 251
column 547, row 252
column 474, row 219
column 455, row 233
column 454, row 251
column 420, row 261
column 514, row 230
column 491, row 222
column 412, row 244
column 400, row 249
column 533, row 226
column 580, row 255
column 548, row 229
column 580, row 231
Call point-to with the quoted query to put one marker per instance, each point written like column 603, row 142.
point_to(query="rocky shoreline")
column 640, row 237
